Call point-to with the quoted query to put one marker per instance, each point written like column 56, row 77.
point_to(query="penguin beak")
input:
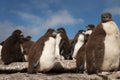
column 107, row 19
column 54, row 33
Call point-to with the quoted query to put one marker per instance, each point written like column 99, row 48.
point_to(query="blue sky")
column 34, row 17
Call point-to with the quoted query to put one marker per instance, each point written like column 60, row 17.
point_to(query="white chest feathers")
column 88, row 32
column 110, row 28
column 57, row 49
column 78, row 45
column 47, row 58
column 112, row 46
column 0, row 51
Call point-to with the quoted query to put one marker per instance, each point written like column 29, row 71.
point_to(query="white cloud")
column 38, row 4
column 54, row 19
column 36, row 25
column 113, row 6
column 114, row 10
column 62, row 17
column 112, row 3
column 28, row 17
column 8, row 27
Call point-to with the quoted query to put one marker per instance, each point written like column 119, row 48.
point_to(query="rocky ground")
column 40, row 76
column 58, row 76
column 17, row 71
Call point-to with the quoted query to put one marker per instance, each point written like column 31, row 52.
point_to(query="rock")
column 13, row 67
column 17, row 71
column 64, row 65
column 41, row 76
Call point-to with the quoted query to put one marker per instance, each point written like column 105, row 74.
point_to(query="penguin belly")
column 47, row 58
column 112, row 47
column 78, row 45
column 0, row 51
column 57, row 48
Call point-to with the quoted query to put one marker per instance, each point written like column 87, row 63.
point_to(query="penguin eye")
column 103, row 17
column 110, row 17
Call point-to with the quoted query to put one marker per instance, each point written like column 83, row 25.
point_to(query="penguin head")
column 18, row 36
column 61, row 30
column 17, row 33
column 81, row 35
column 81, row 31
column 90, row 27
column 2, row 43
column 27, row 38
column 105, row 17
column 51, row 32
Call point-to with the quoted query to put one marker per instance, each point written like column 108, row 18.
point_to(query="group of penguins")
column 94, row 50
